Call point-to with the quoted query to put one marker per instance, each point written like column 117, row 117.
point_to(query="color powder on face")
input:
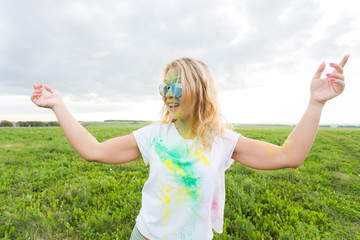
column 171, row 77
column 177, row 113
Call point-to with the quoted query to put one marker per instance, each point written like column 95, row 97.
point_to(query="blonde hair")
column 201, row 95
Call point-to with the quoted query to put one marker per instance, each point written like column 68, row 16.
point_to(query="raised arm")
column 262, row 155
column 117, row 150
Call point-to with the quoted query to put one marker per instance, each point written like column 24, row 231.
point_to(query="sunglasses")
column 176, row 89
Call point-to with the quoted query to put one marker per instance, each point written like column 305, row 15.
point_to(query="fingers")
column 320, row 70
column 340, row 67
column 344, row 60
column 49, row 89
column 37, row 86
column 335, row 75
column 37, row 92
column 340, row 85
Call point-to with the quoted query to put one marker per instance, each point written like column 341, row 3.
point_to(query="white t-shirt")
column 184, row 196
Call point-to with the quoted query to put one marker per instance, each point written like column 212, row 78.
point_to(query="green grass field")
column 47, row 191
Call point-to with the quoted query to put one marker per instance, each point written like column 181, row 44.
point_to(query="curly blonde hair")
column 197, row 82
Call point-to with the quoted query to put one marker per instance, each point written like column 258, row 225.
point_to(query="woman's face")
column 174, row 97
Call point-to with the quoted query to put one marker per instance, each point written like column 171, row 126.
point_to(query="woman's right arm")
column 114, row 151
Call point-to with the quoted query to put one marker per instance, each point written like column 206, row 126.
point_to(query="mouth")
column 173, row 106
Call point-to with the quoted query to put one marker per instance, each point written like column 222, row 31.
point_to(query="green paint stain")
column 183, row 171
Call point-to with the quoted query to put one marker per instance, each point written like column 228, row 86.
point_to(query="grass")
column 47, row 191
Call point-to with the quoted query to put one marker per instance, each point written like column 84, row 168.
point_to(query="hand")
column 323, row 89
column 43, row 100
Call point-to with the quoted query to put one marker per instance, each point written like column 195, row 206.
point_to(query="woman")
column 190, row 150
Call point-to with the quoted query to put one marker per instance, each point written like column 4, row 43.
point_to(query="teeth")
column 173, row 104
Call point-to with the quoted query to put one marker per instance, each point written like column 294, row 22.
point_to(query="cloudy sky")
column 106, row 57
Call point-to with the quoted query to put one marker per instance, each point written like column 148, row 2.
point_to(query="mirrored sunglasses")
column 176, row 89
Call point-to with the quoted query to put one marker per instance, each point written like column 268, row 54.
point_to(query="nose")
column 169, row 93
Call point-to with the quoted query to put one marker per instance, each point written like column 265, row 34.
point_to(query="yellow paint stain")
column 202, row 158
column 180, row 171
column 166, row 200
column 181, row 195
column 169, row 164
column 271, row 151
column 174, row 168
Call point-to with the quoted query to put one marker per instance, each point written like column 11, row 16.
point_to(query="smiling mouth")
column 173, row 106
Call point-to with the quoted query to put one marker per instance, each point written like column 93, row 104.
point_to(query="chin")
column 176, row 114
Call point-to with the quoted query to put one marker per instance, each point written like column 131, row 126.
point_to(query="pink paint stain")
column 215, row 206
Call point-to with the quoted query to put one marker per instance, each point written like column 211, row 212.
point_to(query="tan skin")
column 252, row 153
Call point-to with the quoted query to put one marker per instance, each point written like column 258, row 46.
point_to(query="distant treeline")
column 128, row 121
column 5, row 123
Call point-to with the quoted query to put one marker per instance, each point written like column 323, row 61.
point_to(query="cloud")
column 116, row 50
column 121, row 47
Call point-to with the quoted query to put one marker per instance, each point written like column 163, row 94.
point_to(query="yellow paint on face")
column 171, row 77
column 179, row 114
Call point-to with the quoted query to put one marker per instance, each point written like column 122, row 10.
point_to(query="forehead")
column 171, row 76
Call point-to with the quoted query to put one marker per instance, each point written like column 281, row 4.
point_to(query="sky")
column 106, row 58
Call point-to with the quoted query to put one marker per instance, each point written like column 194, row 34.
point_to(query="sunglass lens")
column 163, row 89
column 176, row 90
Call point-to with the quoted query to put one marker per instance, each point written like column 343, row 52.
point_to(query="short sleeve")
column 142, row 138
column 233, row 137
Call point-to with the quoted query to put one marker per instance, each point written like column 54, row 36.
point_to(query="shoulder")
column 229, row 135
column 151, row 129
column 228, row 138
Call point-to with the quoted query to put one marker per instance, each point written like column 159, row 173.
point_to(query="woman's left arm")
column 262, row 155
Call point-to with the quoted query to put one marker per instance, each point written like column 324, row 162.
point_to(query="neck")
column 184, row 128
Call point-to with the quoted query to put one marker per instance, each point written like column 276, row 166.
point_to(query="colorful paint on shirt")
column 181, row 170
column 201, row 157
column 166, row 200
column 181, row 161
